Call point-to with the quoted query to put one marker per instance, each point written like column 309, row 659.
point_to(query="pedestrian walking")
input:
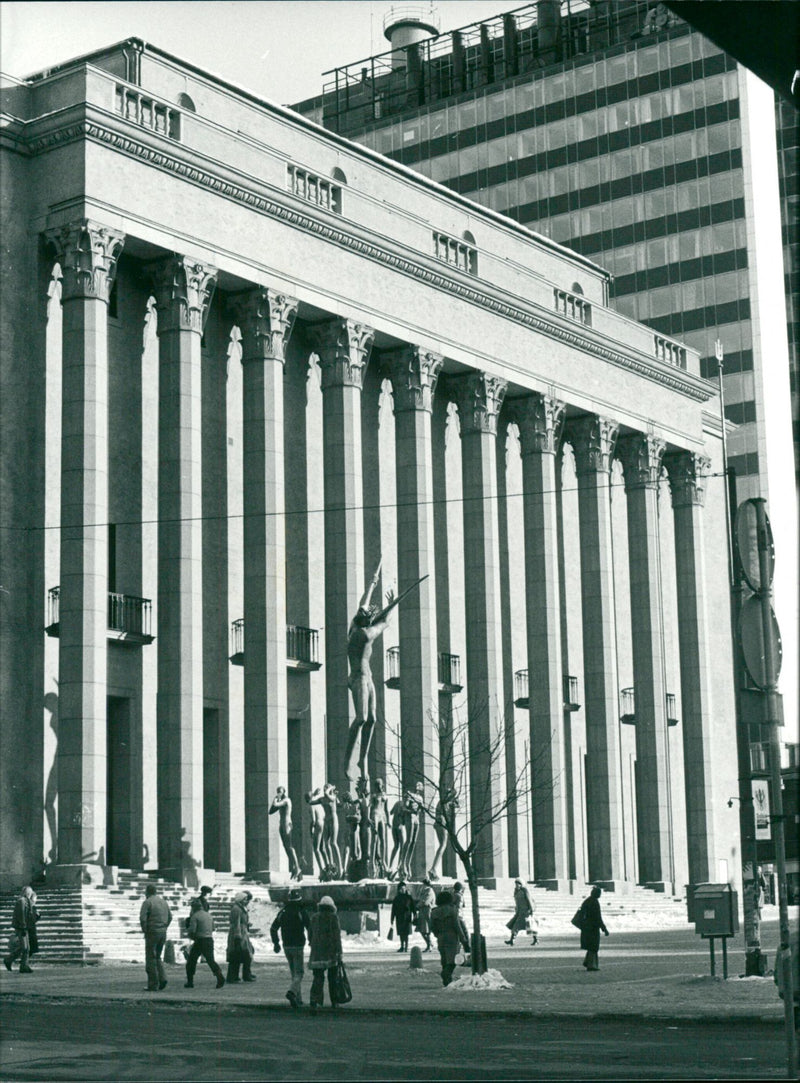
column 591, row 926
column 450, row 933
column 460, row 903
column 240, row 950
column 23, row 922
column 326, row 950
column 154, row 918
column 293, row 925
column 403, row 910
column 425, row 904
column 523, row 910
column 201, row 932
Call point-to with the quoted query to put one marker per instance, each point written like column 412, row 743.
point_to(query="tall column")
column 479, row 399
column 88, row 253
column 183, row 290
column 641, row 460
column 343, row 348
column 540, row 419
column 593, row 439
column 414, row 373
column 265, row 320
column 687, row 472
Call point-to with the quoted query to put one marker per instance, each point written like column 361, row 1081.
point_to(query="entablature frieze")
column 343, row 347
column 87, row 252
column 188, row 165
column 265, row 318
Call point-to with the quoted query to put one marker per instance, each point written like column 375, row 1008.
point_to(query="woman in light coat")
column 325, row 935
column 240, row 950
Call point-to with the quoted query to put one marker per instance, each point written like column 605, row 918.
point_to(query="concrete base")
column 568, row 887
column 366, row 895
column 619, row 887
column 194, row 877
column 78, row 874
column 664, row 887
column 269, row 876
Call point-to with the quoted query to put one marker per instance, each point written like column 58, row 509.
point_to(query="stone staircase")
column 91, row 923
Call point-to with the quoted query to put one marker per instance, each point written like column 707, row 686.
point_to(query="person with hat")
column 240, row 950
column 201, row 930
column 292, row 923
column 450, row 932
column 425, row 904
column 325, row 935
column 403, row 910
column 523, row 911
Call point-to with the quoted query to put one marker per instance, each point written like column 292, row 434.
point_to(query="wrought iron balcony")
column 759, row 758
column 129, row 618
column 302, row 646
column 449, row 671
column 569, row 691
column 627, row 715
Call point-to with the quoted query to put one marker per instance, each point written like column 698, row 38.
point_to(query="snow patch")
column 492, row 979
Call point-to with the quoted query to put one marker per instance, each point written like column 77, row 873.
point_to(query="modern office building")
column 616, row 129
column 245, row 361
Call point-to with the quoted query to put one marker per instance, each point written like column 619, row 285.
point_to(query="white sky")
column 277, row 49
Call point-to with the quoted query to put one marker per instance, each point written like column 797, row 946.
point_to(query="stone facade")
column 238, row 370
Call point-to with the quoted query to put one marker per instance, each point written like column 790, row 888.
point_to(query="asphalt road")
column 149, row 1041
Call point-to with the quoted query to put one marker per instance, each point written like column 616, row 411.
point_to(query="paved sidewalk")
column 652, row 975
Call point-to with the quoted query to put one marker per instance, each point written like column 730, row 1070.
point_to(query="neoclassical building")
column 244, row 361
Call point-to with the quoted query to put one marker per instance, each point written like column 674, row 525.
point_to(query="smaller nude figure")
column 379, row 819
column 328, row 798
column 445, row 812
column 399, row 836
column 414, row 804
column 282, row 804
column 317, row 825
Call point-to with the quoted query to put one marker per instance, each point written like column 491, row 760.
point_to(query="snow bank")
column 492, row 979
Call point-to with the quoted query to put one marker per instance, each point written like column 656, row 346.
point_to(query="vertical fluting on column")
column 540, row 419
column 413, row 373
column 641, row 456
column 479, row 399
column 88, row 254
column 593, row 439
column 183, row 289
column 343, row 348
column 265, row 319
column 687, row 472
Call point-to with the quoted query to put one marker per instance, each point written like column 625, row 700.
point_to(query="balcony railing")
column 148, row 113
column 569, row 691
column 670, row 352
column 573, row 306
column 627, row 707
column 129, row 618
column 302, row 646
column 449, row 671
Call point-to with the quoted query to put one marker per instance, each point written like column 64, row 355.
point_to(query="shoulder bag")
column 340, row 990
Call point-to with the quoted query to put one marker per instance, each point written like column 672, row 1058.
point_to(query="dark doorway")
column 119, row 783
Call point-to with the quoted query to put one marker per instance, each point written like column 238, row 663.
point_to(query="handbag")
column 340, row 990
column 390, row 934
column 577, row 920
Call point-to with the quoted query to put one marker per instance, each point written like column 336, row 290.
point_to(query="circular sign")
column 746, row 531
column 764, row 671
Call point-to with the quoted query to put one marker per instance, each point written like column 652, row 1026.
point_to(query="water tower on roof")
column 409, row 25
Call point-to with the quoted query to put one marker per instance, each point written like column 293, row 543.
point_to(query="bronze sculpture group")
column 366, row 821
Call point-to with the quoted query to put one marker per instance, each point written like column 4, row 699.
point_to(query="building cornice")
column 100, row 127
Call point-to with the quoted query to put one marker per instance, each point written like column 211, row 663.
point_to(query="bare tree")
column 468, row 792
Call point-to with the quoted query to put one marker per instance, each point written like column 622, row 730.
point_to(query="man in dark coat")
column 450, row 931
column 591, row 926
column 24, row 922
column 403, row 910
column 292, row 923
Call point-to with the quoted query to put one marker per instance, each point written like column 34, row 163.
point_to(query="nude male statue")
column 413, row 805
column 445, row 813
column 282, row 804
column 379, row 818
column 317, row 826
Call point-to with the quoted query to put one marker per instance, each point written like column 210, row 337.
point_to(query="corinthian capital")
column 343, row 347
column 687, row 472
column 540, row 419
column 265, row 319
column 88, row 254
column 183, row 290
column 413, row 373
column 593, row 439
column 641, row 457
column 479, row 398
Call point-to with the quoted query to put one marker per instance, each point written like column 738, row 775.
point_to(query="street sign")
column 751, row 639
column 746, row 534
